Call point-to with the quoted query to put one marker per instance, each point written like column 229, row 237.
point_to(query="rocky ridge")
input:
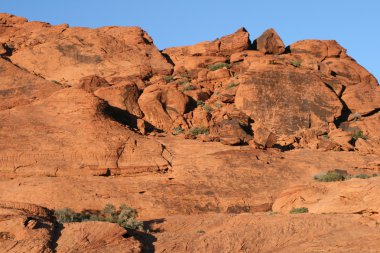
column 193, row 137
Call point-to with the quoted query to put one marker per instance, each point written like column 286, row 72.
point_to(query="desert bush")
column 168, row 79
column 217, row 66
column 231, row 85
column 124, row 216
column 187, row 87
column 299, row 210
column 198, row 130
column 68, row 215
column 200, row 103
column 330, row 176
column 359, row 135
column 207, row 108
column 218, row 105
column 295, row 63
column 362, row 176
column 177, row 130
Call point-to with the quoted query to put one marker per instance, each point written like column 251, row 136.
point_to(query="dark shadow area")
column 56, row 234
column 248, row 128
column 345, row 110
column 125, row 118
column 9, row 50
column 284, row 148
column 107, row 174
column 167, row 57
column 146, row 238
column 121, row 116
column 253, row 45
column 371, row 112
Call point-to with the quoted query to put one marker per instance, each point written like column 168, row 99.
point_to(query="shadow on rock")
column 146, row 238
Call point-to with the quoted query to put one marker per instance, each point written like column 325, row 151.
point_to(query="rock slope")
column 212, row 143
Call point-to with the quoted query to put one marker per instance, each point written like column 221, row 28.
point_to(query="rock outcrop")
column 213, row 143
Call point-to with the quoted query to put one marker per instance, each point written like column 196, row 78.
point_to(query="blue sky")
column 354, row 24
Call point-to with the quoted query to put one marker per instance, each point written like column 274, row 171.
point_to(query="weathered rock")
column 162, row 105
column 320, row 49
column 92, row 83
column 343, row 138
column 351, row 196
column 218, row 74
column 224, row 46
column 263, row 137
column 72, row 134
column 268, row 232
column 96, row 237
column 270, row 43
column 124, row 97
column 31, row 228
column 77, row 52
column 290, row 95
column 19, row 87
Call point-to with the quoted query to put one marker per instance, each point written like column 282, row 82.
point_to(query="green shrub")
column 330, row 176
column 168, row 79
column 359, row 135
column 231, row 85
column 67, row 215
column 207, row 108
column 124, row 216
column 362, row 176
column 200, row 232
column 296, row 63
column 198, row 130
column 217, row 66
column 299, row 210
column 56, row 82
column 188, row 87
column 218, row 105
column 200, row 103
column 177, row 130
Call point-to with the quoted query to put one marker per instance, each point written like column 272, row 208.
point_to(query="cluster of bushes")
column 299, row 210
column 295, row 63
column 339, row 175
column 219, row 66
column 199, row 130
column 124, row 216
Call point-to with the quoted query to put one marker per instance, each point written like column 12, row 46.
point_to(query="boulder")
column 270, row 43
column 163, row 105
column 92, row 83
column 225, row 46
column 283, row 98
column 124, row 97
column 73, row 53
column 319, row 49
column 263, row 137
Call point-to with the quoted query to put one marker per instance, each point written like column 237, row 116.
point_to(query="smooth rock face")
column 74, row 53
column 351, row 196
column 270, row 43
column 18, row 87
column 283, row 98
column 213, row 144
column 71, row 134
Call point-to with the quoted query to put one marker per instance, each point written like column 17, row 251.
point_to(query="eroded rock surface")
column 212, row 143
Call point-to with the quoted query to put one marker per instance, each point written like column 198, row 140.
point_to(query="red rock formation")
column 96, row 116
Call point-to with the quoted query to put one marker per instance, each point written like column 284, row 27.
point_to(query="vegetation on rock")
column 124, row 216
